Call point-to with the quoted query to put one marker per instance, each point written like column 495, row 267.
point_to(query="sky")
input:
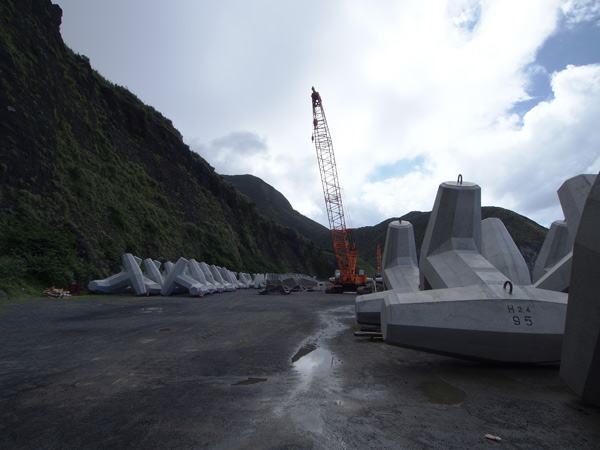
column 505, row 93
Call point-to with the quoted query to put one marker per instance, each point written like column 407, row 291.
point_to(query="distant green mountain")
column 528, row 235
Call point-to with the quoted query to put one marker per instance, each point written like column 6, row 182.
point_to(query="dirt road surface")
column 240, row 370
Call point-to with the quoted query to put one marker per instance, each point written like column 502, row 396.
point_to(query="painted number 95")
column 526, row 320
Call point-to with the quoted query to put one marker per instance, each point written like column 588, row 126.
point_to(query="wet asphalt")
column 242, row 370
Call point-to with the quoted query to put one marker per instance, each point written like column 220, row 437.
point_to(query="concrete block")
column 216, row 273
column 400, row 272
column 210, row 278
column 556, row 246
column 558, row 277
column 130, row 275
column 455, row 222
column 227, row 277
column 242, row 281
column 580, row 365
column 258, row 281
column 458, row 268
column 177, row 277
column 454, row 225
column 399, row 262
column 197, row 274
column 572, row 195
column 167, row 267
column 498, row 247
column 368, row 306
column 152, row 271
column 481, row 322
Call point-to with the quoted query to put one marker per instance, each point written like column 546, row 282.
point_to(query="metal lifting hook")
column 459, row 181
column 509, row 285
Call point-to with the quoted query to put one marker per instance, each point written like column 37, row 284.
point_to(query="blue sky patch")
column 397, row 169
column 576, row 45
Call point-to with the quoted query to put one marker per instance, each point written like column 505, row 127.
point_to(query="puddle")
column 250, row 380
column 304, row 350
column 311, row 359
column 442, row 393
column 152, row 309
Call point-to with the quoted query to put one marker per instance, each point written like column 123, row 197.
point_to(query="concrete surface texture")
column 451, row 250
column 210, row 278
column 130, row 276
column 216, row 273
column 245, row 371
column 177, row 277
column 167, row 267
column 367, row 307
column 399, row 262
column 558, row 277
column 580, row 365
column 498, row 247
column 258, row 281
column 464, row 308
column 400, row 271
column 152, row 271
column 197, row 274
column 512, row 324
column 572, row 195
column 244, row 279
column 556, row 246
column 228, row 277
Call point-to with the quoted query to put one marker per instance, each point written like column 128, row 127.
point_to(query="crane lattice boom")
column 345, row 252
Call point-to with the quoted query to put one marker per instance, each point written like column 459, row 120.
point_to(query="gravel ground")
column 241, row 370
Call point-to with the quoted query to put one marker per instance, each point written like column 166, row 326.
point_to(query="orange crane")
column 346, row 278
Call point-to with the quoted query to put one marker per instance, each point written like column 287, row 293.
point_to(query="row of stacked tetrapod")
column 190, row 277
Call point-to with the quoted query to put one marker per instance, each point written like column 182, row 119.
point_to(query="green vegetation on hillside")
column 88, row 172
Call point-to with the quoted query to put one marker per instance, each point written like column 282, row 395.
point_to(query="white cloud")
column 232, row 153
column 426, row 83
column 578, row 11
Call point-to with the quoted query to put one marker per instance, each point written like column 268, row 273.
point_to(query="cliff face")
column 88, row 172
column 272, row 203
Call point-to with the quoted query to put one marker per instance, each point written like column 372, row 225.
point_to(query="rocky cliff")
column 88, row 172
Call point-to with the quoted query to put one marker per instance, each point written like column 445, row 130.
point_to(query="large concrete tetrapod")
column 130, row 276
column 469, row 308
column 580, row 365
column 176, row 277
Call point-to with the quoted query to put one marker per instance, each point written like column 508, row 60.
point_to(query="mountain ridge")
column 527, row 234
column 88, row 172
